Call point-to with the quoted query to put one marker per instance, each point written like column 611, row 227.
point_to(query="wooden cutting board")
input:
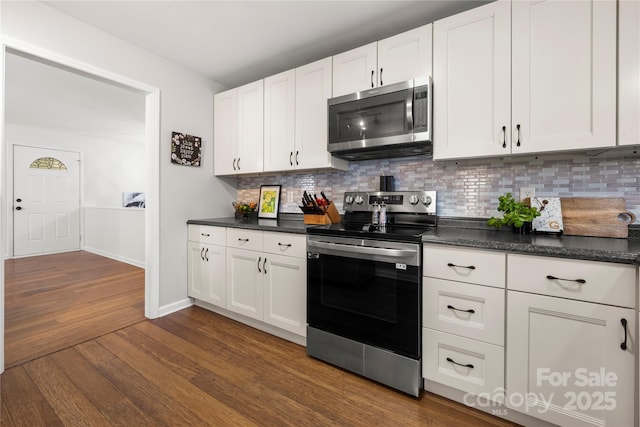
column 596, row 216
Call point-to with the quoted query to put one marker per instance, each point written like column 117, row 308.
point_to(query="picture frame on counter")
column 269, row 202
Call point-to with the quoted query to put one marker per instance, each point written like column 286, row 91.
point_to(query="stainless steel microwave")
column 389, row 121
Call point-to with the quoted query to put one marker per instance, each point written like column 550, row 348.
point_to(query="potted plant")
column 518, row 215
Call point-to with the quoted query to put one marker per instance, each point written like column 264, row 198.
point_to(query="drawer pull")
column 468, row 365
column 243, row 240
column 206, row 255
column 566, row 280
column 470, row 267
column 450, row 307
column 264, row 265
column 286, row 245
column 624, row 325
column 201, row 254
column 259, row 259
column 205, row 234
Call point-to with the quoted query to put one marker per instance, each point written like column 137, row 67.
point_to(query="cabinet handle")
column 624, row 326
column 504, row 137
column 264, row 265
column 288, row 245
column 297, row 152
column 291, row 158
column 205, row 234
column 259, row 259
column 381, row 76
column 234, row 164
column 206, row 255
column 566, row 280
column 470, row 267
column 201, row 252
column 238, row 163
column 372, row 73
column 243, row 240
column 518, row 141
column 468, row 365
column 450, row 307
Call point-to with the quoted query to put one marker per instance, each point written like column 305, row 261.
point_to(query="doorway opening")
column 98, row 208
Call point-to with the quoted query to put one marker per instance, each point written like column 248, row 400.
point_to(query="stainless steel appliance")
column 364, row 292
column 389, row 121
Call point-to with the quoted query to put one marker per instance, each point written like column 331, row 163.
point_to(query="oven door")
column 367, row 291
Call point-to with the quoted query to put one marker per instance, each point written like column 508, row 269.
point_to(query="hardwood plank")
column 22, row 402
column 56, row 301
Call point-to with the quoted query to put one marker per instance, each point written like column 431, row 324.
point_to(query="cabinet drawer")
column 245, row 239
column 207, row 234
column 294, row 245
column 443, row 355
column 600, row 282
column 472, row 311
column 464, row 265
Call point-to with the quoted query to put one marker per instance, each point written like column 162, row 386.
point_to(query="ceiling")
column 230, row 42
column 237, row 42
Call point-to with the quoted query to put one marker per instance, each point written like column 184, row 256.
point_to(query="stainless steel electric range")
column 364, row 293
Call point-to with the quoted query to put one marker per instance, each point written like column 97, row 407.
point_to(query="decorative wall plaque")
column 186, row 149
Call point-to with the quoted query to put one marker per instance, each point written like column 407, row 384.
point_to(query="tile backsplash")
column 465, row 189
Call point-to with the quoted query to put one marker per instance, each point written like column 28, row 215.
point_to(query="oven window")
column 373, row 302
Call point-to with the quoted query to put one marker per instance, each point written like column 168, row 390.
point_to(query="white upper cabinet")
column 279, row 121
column 399, row 58
column 238, row 130
column 313, row 89
column 472, row 82
column 553, row 89
column 628, row 72
column 563, row 75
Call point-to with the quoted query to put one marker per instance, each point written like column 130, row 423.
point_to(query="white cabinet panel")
column 245, row 239
column 250, row 127
column 472, row 82
column 564, row 358
column 245, row 278
column 225, row 132
column 468, row 310
column 464, row 265
column 279, row 120
column 465, row 364
column 564, row 75
column 285, row 293
column 628, row 72
column 207, row 234
column 294, row 245
column 206, row 257
column 355, row 70
column 405, row 56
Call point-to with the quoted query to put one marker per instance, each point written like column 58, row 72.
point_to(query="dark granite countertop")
column 626, row 251
column 472, row 233
column 292, row 223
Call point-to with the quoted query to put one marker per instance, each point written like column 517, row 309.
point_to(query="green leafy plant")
column 514, row 213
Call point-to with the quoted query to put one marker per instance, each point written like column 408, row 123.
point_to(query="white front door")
column 46, row 201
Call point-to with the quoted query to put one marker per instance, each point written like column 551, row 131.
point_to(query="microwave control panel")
column 421, row 109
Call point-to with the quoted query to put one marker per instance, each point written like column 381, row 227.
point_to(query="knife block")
column 331, row 216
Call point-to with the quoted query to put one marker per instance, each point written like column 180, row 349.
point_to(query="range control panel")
column 396, row 201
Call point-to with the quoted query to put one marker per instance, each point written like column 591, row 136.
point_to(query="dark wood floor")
column 56, row 301
column 195, row 368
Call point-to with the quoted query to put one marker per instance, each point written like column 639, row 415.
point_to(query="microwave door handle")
column 409, row 115
column 396, row 253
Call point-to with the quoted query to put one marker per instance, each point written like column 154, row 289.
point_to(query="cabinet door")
column 250, row 127
column 628, row 72
column 198, row 272
column 285, row 299
column 568, row 354
column 279, row 121
column 405, row 56
column 564, row 75
column 313, row 89
column 472, row 82
column 355, row 70
column 245, row 279
column 225, row 128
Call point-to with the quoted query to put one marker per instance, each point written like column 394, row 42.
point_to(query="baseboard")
column 174, row 306
column 116, row 257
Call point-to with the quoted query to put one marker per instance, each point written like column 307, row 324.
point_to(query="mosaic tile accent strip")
column 465, row 189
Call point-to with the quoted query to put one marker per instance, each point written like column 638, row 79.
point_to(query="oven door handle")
column 390, row 252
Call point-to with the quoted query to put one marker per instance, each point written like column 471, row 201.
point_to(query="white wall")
column 186, row 106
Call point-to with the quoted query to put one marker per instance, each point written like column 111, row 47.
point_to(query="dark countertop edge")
column 285, row 224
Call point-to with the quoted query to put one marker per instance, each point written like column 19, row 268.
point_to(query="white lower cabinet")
column 206, row 264
column 571, row 340
column 565, row 361
column 268, row 281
